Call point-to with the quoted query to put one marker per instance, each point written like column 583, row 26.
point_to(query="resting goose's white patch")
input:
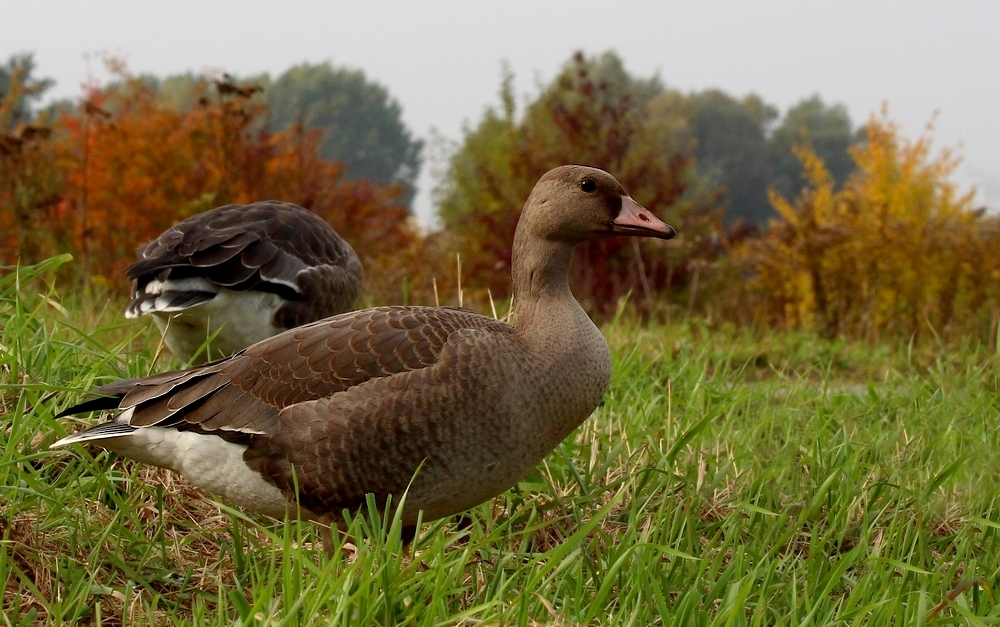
column 191, row 284
column 290, row 284
column 171, row 296
column 240, row 318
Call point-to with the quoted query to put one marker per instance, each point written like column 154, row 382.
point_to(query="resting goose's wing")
column 265, row 246
column 243, row 395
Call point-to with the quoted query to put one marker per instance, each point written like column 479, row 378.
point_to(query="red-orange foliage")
column 131, row 164
column 26, row 176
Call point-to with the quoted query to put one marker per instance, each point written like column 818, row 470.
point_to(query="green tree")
column 361, row 123
column 827, row 129
column 732, row 150
column 18, row 88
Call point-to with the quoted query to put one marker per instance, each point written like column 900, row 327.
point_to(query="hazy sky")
column 442, row 60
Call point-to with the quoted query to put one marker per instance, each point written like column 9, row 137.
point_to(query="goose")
column 242, row 273
column 444, row 404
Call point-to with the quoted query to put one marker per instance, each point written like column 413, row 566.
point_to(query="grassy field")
column 727, row 479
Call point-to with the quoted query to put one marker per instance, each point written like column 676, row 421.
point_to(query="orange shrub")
column 127, row 163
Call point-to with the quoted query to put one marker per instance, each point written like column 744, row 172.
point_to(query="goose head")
column 575, row 203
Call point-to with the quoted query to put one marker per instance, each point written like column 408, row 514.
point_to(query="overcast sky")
column 442, row 60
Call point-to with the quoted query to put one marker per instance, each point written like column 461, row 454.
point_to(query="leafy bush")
column 898, row 252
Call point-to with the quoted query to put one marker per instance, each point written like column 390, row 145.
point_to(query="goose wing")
column 265, row 246
column 243, row 395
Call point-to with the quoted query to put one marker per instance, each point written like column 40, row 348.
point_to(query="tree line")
column 799, row 220
column 99, row 176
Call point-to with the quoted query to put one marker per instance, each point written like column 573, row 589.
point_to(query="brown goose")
column 357, row 403
column 246, row 272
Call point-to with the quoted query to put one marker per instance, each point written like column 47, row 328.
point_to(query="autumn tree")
column 28, row 177
column 368, row 215
column 132, row 162
column 593, row 113
column 359, row 123
column 899, row 251
column 136, row 166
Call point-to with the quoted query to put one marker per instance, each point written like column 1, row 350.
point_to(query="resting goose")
column 246, row 272
column 364, row 402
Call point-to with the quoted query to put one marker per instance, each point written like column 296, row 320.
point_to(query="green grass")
column 727, row 479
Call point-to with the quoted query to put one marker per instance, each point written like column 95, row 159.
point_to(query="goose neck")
column 540, row 271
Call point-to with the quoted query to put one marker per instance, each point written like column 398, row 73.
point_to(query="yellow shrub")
column 899, row 251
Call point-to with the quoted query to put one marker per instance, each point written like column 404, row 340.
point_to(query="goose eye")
column 588, row 185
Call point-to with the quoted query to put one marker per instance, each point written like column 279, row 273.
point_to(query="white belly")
column 206, row 461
